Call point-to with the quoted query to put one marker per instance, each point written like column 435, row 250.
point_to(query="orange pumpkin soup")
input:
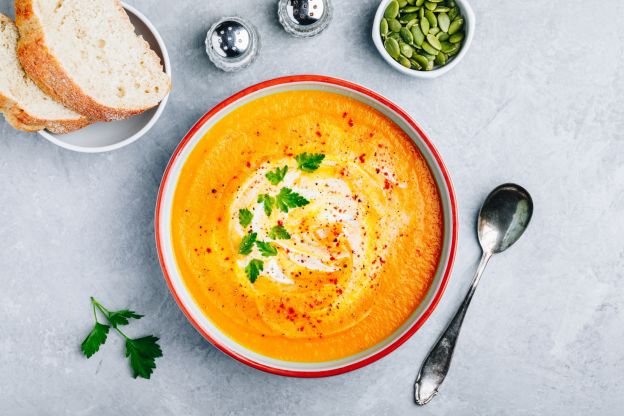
column 307, row 226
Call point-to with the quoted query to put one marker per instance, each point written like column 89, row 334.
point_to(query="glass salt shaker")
column 232, row 44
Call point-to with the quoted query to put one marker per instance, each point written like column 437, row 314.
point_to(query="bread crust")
column 48, row 73
column 54, row 126
column 6, row 108
column 20, row 119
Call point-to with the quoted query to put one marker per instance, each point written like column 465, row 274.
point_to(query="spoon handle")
column 437, row 363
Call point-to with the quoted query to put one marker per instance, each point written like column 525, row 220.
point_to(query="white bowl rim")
column 471, row 21
column 159, row 110
column 188, row 305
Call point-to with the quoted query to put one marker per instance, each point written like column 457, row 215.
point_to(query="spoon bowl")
column 504, row 216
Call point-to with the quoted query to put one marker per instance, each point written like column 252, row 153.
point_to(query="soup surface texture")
column 307, row 226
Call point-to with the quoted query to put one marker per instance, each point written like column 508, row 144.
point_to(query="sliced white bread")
column 24, row 105
column 85, row 54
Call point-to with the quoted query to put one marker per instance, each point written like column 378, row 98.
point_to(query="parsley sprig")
column 287, row 198
column 284, row 200
column 266, row 249
column 253, row 269
column 309, row 162
column 247, row 243
column 277, row 176
column 142, row 352
column 268, row 202
column 244, row 217
column 279, row 233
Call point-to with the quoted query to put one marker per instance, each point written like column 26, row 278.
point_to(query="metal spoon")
column 504, row 216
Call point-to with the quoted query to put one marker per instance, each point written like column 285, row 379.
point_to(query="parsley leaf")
column 121, row 317
column 287, row 198
column 253, row 269
column 266, row 249
column 279, row 233
column 277, row 176
column 268, row 202
column 143, row 353
column 309, row 162
column 247, row 243
column 95, row 339
column 244, row 217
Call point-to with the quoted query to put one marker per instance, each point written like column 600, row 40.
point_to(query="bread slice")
column 24, row 105
column 85, row 54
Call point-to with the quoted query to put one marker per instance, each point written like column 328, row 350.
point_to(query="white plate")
column 104, row 137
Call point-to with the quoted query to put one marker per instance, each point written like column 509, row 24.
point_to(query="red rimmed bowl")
column 185, row 300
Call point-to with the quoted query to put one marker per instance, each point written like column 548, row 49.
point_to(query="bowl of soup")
column 306, row 226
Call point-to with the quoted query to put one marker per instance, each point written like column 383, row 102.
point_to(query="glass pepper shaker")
column 305, row 18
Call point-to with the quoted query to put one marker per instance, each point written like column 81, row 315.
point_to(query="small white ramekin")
column 469, row 29
column 105, row 137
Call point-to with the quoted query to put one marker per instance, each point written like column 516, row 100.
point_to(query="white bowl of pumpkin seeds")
column 423, row 38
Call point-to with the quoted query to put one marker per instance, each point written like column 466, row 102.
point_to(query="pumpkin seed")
column 407, row 17
column 402, row 3
column 422, row 61
column 444, row 22
column 407, row 35
column 448, row 47
column 424, row 26
column 442, row 36
column 405, row 62
column 434, row 30
column 384, row 27
column 415, row 65
column 418, row 35
column 406, row 50
column 420, row 2
column 454, row 51
column 441, row 59
column 395, row 36
column 428, row 56
column 429, row 66
column 442, row 9
column 392, row 10
column 457, row 37
column 395, row 25
column 392, row 46
column 433, row 41
column 421, row 13
column 433, row 22
column 455, row 25
column 409, row 9
column 429, row 49
column 430, row 6
column 411, row 2
column 453, row 13
column 411, row 23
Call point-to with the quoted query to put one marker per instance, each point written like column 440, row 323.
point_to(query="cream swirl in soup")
column 341, row 236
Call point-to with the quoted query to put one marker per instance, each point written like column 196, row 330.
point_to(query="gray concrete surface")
column 539, row 99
